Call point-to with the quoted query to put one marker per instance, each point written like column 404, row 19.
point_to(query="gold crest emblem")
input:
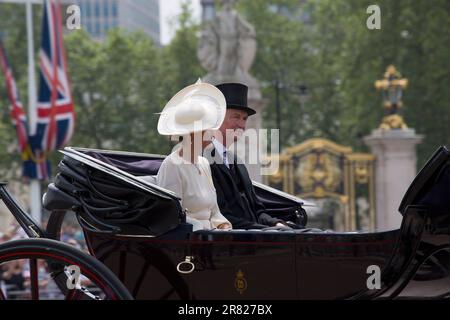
column 240, row 283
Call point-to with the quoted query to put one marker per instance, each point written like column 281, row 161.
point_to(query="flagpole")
column 35, row 187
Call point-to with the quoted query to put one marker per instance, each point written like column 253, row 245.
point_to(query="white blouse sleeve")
column 169, row 177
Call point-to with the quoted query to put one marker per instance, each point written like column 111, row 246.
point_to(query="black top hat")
column 236, row 96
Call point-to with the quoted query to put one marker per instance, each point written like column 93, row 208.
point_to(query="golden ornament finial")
column 392, row 87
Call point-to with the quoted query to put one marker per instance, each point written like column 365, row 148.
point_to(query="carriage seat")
column 130, row 163
column 146, row 169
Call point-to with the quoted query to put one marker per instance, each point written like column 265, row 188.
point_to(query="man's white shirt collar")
column 220, row 148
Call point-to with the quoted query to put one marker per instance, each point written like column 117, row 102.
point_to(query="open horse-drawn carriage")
column 141, row 246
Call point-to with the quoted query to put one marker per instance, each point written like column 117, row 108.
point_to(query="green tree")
column 179, row 64
column 412, row 37
column 281, row 59
column 119, row 85
column 116, row 91
column 327, row 46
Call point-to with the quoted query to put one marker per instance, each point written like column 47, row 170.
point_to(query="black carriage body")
column 138, row 230
column 244, row 265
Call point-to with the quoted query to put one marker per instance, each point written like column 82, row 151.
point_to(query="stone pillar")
column 395, row 169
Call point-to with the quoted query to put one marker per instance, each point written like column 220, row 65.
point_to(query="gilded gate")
column 321, row 169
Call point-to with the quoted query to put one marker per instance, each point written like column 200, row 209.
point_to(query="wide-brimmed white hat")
column 200, row 106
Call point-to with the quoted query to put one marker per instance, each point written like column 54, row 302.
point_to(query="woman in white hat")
column 189, row 114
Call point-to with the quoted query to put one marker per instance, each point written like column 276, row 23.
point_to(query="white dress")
column 194, row 185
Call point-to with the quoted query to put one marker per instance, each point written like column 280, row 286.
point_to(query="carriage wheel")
column 71, row 273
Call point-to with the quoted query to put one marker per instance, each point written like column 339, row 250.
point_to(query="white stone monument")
column 227, row 49
column 394, row 147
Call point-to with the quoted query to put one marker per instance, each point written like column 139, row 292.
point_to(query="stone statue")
column 227, row 47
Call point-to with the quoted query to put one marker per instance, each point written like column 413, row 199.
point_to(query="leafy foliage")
column 119, row 84
column 326, row 46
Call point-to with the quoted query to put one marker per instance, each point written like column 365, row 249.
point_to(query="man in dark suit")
column 235, row 193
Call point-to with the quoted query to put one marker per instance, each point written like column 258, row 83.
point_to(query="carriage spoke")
column 34, row 279
column 166, row 295
column 83, row 291
column 140, row 279
column 79, row 292
column 74, row 294
column 122, row 265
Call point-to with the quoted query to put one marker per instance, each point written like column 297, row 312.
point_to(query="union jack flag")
column 35, row 166
column 18, row 117
column 55, row 110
